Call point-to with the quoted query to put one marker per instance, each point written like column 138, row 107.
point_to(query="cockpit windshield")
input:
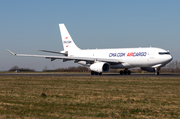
column 164, row 53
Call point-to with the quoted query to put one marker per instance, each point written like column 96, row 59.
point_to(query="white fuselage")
column 131, row 57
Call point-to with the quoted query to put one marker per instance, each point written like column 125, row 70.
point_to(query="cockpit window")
column 164, row 53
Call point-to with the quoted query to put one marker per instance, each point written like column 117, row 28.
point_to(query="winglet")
column 11, row 52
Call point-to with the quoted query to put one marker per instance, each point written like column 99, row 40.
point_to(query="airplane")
column 150, row 59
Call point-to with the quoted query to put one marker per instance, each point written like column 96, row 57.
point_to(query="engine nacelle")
column 150, row 69
column 100, row 67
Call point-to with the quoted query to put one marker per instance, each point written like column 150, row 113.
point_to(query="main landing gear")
column 125, row 72
column 96, row 73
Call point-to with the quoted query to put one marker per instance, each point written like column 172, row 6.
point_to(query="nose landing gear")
column 156, row 71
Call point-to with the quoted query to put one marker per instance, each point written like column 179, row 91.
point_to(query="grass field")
column 89, row 97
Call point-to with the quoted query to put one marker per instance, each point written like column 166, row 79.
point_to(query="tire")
column 96, row 73
column 121, row 72
column 129, row 72
column 156, row 73
column 100, row 73
column 92, row 72
column 125, row 72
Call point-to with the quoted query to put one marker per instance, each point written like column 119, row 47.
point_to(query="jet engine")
column 100, row 67
column 150, row 69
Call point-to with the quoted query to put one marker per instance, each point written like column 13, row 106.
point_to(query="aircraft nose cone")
column 170, row 58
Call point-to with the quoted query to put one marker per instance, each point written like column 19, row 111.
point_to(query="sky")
column 28, row 26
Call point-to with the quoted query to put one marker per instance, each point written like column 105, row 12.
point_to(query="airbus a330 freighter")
column 101, row 60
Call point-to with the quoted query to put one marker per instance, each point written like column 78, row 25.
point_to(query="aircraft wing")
column 69, row 58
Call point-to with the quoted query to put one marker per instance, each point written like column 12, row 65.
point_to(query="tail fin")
column 67, row 41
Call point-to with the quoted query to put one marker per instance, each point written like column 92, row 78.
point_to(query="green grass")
column 89, row 97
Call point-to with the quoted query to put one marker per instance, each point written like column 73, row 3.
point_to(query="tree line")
column 173, row 67
column 16, row 68
column 69, row 69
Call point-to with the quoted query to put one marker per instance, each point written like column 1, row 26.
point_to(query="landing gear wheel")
column 125, row 72
column 156, row 73
column 100, row 73
column 96, row 73
column 92, row 72
column 129, row 72
column 121, row 72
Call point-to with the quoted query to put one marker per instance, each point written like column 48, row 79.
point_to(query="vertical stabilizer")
column 67, row 41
